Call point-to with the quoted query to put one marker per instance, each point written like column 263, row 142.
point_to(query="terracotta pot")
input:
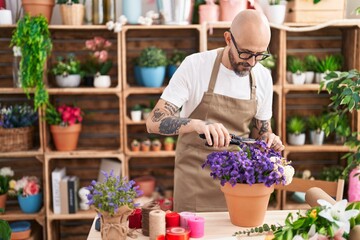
column 65, row 138
column 72, row 14
column 247, row 204
column 229, row 9
column 115, row 227
column 135, row 148
column 146, row 184
column 168, row 146
column 37, row 7
column 3, row 198
column 145, row 147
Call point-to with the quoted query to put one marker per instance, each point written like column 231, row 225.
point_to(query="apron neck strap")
column 215, row 70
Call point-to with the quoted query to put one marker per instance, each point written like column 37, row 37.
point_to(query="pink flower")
column 103, row 56
column 31, row 188
column 99, row 41
column 90, row 44
column 339, row 234
column 107, row 44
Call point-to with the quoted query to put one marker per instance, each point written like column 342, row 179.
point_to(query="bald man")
column 219, row 92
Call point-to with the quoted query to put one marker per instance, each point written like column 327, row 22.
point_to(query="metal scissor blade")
column 235, row 140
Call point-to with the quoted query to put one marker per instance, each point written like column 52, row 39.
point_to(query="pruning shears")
column 235, row 140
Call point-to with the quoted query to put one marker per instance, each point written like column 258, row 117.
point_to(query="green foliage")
column 357, row 11
column 296, row 65
column 315, row 123
column 6, row 174
column 67, row 66
column 169, row 140
column 332, row 173
column 33, row 37
column 136, row 107
column 296, row 125
column 269, row 62
column 177, row 57
column 310, row 62
column 152, row 57
column 5, row 230
column 52, row 116
column 344, row 89
column 330, row 63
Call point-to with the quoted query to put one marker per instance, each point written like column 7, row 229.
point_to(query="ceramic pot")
column 136, row 115
column 354, row 185
column 229, row 9
column 276, row 13
column 37, row 7
column 208, row 13
column 317, row 137
column 65, row 138
column 296, row 139
column 72, row 80
column 146, row 184
column 247, row 204
column 102, row 81
column 30, row 204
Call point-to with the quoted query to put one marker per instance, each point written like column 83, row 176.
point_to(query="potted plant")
column 156, row 145
column 169, row 143
column 98, row 61
column 37, row 8
column 332, row 173
column 67, row 71
column 175, row 60
column 135, row 145
column 275, row 11
column 72, row 12
column 245, row 182
column 295, row 127
column 116, row 206
column 269, row 62
column 310, row 62
column 5, row 230
column 28, row 191
column 152, row 62
column 297, row 68
column 16, row 128
column 329, row 64
column 316, row 128
column 145, row 145
column 65, row 126
column 33, row 37
column 289, row 58
column 136, row 112
column 6, row 173
column 146, row 112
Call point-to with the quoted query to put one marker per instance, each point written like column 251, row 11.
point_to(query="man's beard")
column 235, row 66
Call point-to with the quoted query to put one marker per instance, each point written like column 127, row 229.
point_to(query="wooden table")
column 217, row 226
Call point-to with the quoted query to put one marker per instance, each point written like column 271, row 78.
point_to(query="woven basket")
column 16, row 139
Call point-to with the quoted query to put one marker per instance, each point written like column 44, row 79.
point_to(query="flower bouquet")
column 5, row 176
column 113, row 199
column 65, row 126
column 16, row 128
column 251, row 169
column 29, row 193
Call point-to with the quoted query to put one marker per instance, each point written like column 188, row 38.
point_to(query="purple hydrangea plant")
column 112, row 193
column 252, row 163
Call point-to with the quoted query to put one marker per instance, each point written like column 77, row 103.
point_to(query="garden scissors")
column 235, row 140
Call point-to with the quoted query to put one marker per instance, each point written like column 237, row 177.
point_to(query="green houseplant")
column 296, row 127
column 152, row 62
column 169, row 143
column 175, row 60
column 33, row 37
column 315, row 125
column 5, row 230
column 6, row 173
column 67, row 71
column 297, row 68
column 310, row 62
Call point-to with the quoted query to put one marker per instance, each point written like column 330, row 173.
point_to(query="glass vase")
column 16, row 72
column 109, row 10
column 98, row 12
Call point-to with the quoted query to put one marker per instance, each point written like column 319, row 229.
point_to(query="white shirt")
column 188, row 84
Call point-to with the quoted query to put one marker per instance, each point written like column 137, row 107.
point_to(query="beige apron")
column 194, row 188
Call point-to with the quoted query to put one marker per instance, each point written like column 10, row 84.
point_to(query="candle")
column 5, row 17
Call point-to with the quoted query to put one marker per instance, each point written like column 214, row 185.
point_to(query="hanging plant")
column 33, row 37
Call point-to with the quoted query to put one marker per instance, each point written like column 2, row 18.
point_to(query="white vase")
column 298, row 78
column 296, row 139
column 276, row 13
column 289, row 76
column 136, row 115
column 102, row 81
column 72, row 80
column 309, row 77
column 317, row 138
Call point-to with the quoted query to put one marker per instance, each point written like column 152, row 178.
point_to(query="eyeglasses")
column 245, row 55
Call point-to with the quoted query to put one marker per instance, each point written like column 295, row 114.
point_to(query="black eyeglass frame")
column 264, row 55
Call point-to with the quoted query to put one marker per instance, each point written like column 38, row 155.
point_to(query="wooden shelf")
column 317, row 148
column 31, row 153
column 83, row 90
column 13, row 91
column 128, row 121
column 81, row 214
column 151, row 154
column 301, row 88
column 82, row 154
column 17, row 215
column 142, row 27
column 143, row 90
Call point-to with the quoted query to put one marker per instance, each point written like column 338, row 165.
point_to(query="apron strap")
column 215, row 70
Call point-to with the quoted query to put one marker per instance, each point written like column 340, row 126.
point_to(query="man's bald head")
column 251, row 30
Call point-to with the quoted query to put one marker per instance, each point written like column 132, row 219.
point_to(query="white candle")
column 5, row 17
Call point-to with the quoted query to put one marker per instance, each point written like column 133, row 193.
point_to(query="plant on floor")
column 33, row 37
column 344, row 89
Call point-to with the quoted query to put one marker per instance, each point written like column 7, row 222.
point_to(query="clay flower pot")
column 156, row 145
column 135, row 146
column 145, row 145
column 65, row 138
column 146, row 184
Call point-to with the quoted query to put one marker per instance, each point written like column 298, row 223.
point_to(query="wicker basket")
column 16, row 139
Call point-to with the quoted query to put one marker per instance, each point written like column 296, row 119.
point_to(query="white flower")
column 145, row 20
column 6, row 171
column 298, row 237
column 122, row 19
column 336, row 213
column 118, row 27
column 20, row 184
column 17, row 51
column 151, row 14
column 288, row 173
column 110, row 25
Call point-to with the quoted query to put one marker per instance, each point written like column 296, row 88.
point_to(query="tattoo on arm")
column 171, row 108
column 158, row 115
column 261, row 125
column 171, row 125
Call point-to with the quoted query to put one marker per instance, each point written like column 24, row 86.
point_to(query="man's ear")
column 227, row 38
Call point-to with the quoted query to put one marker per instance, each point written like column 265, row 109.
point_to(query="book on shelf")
column 56, row 175
column 64, row 195
column 73, row 187
column 107, row 165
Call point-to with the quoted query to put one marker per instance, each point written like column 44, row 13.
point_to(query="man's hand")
column 273, row 141
column 216, row 134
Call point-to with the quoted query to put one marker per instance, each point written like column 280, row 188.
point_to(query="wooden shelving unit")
column 108, row 129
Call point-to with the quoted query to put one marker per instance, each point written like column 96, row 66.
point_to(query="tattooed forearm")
column 171, row 125
column 171, row 108
column 158, row 115
column 261, row 125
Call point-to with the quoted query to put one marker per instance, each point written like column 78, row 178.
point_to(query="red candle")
column 2, row 4
column 135, row 219
column 172, row 219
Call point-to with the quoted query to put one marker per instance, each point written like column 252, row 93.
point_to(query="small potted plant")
column 310, row 62
column 315, row 125
column 67, row 71
column 146, row 112
column 98, row 61
column 5, row 230
column 72, row 12
column 16, row 128
column 136, row 112
column 113, row 199
column 152, row 62
column 329, row 64
column 296, row 127
column 175, row 60
column 28, row 191
column 169, row 143
column 135, row 145
column 65, row 126
column 145, row 145
column 297, row 68
column 6, row 173
column 156, row 145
